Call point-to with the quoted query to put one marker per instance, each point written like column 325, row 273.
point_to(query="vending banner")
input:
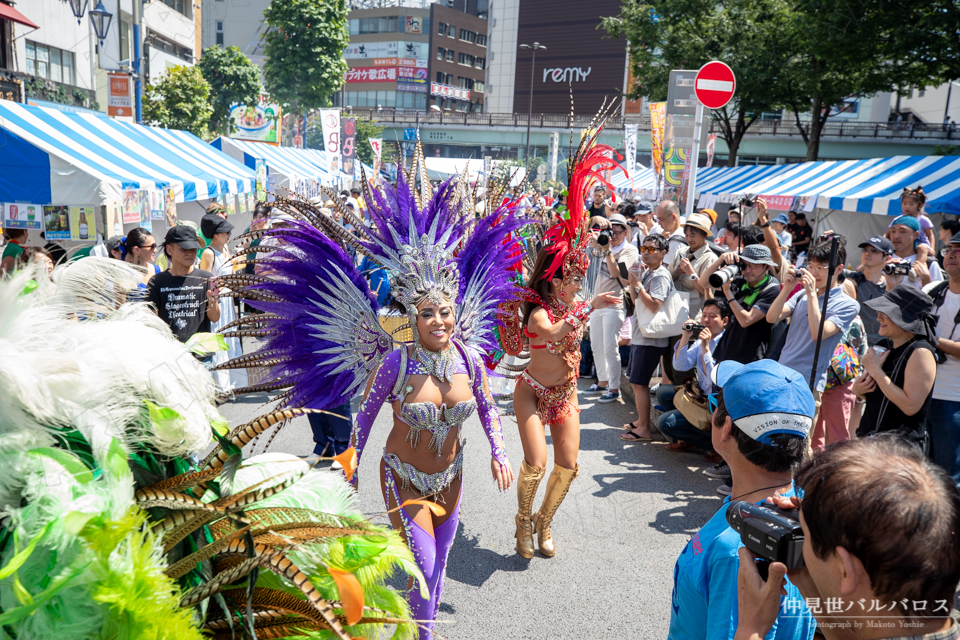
column 56, row 222
column 349, row 151
column 17, row 215
column 83, row 223
column 330, row 126
column 678, row 145
column 711, row 145
column 658, row 113
column 630, row 148
column 261, row 169
column 554, row 149
column 131, row 206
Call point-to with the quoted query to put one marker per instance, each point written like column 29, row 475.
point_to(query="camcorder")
column 720, row 276
column 695, row 329
column 603, row 238
column 896, row 268
column 772, row 534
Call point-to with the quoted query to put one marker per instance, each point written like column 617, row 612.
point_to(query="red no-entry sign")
column 715, row 84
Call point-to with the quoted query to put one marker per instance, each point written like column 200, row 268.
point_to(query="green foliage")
column 180, row 100
column 367, row 129
column 233, row 79
column 304, row 50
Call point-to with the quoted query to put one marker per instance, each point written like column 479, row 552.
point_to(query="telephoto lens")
column 718, row 278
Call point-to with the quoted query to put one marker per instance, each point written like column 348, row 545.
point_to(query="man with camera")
column 750, row 289
column 875, row 254
column 805, row 310
column 880, row 551
column 605, row 324
column 903, row 233
column 944, row 413
column 761, row 419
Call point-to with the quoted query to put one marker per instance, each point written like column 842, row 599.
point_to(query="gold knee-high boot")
column 527, row 484
column 557, row 486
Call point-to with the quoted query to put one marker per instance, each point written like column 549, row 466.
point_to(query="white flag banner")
column 630, row 148
column 330, row 127
column 377, row 145
column 711, row 144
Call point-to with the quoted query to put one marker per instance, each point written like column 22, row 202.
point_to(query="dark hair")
column 732, row 227
column 136, row 237
column 786, row 453
column 629, row 210
column 659, row 242
column 13, row 234
column 916, row 194
column 820, row 252
column 720, row 304
column 953, row 226
column 262, row 210
column 538, row 283
column 751, row 234
column 883, row 501
column 700, row 232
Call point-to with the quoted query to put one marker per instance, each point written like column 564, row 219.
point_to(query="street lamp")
column 78, row 7
column 533, row 63
column 100, row 18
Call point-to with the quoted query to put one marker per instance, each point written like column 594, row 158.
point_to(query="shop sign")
column 447, row 91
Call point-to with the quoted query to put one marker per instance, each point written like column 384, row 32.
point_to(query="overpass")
column 504, row 135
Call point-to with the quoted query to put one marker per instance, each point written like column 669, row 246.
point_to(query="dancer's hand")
column 604, row 300
column 502, row 473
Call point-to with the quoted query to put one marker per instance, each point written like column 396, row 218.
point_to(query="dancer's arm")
column 490, row 420
column 378, row 391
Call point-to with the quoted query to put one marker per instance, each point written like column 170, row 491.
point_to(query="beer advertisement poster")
column 83, row 223
column 56, row 222
column 114, row 219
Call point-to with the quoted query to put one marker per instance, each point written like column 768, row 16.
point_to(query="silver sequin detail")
column 426, row 483
column 439, row 364
column 426, row 416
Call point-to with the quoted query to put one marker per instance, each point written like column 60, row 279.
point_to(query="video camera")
column 772, row 534
column 896, row 268
column 748, row 200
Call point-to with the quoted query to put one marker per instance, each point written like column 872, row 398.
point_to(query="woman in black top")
column 897, row 385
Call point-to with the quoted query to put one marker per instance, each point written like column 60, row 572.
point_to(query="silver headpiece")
column 427, row 272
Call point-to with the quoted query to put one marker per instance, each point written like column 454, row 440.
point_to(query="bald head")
column 668, row 215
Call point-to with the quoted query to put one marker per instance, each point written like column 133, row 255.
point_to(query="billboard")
column 260, row 122
column 413, row 24
column 119, row 102
column 447, row 91
column 371, row 74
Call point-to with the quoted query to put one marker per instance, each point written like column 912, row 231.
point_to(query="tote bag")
column 667, row 322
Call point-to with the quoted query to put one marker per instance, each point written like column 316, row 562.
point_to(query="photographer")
column 903, row 233
column 880, row 547
column 612, row 247
column 750, row 289
column 871, row 282
column 804, row 309
column 761, row 419
column 898, row 374
column 694, row 350
column 945, row 404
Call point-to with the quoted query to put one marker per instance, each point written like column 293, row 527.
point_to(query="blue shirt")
column 686, row 357
column 798, row 349
column 705, row 589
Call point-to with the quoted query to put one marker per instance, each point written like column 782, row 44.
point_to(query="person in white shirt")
column 904, row 232
column 693, row 355
column 944, row 415
column 668, row 217
column 780, row 227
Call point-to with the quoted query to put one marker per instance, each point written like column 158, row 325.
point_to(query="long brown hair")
column 538, row 283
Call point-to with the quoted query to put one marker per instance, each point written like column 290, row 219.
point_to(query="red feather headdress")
column 567, row 240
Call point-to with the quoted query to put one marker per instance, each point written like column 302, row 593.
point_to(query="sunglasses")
column 713, row 401
column 149, row 247
column 649, row 250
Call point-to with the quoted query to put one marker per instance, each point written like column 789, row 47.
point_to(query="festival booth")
column 641, row 184
column 76, row 176
column 283, row 169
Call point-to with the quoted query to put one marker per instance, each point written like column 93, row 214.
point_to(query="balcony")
column 41, row 89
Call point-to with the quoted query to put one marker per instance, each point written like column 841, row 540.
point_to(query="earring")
column 563, row 294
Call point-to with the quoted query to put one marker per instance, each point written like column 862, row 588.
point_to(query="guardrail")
column 832, row 129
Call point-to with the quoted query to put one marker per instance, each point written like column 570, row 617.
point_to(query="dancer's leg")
column 532, row 436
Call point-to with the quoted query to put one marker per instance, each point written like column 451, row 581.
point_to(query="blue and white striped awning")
column 642, row 179
column 284, row 162
column 51, row 157
column 868, row 186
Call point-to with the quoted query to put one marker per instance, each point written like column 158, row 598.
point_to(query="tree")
column 233, row 79
column 180, row 100
column 843, row 49
column 686, row 34
column 367, row 129
column 304, row 52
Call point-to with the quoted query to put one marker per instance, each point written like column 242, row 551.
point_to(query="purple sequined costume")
column 390, row 386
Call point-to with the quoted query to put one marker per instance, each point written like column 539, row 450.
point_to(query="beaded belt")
column 554, row 403
column 426, row 483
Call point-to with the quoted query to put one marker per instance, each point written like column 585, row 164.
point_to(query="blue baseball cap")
column 765, row 398
column 782, row 219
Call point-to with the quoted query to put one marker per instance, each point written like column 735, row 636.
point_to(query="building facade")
column 458, row 59
column 235, row 23
column 502, row 59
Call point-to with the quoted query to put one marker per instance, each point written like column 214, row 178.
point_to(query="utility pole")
column 137, row 67
column 533, row 65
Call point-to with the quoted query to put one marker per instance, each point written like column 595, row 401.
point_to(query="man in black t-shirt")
column 749, row 294
column 871, row 283
column 597, row 206
column 801, row 232
column 182, row 295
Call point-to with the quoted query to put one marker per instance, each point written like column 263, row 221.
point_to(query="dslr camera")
column 720, row 276
column 772, row 534
column 748, row 200
column 896, row 268
column 603, row 238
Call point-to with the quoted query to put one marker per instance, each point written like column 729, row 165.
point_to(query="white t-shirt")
column 677, row 242
column 947, row 386
column 935, row 274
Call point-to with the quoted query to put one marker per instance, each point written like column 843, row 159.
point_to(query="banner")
column 56, row 222
column 658, row 114
column 157, row 209
column 170, row 206
column 83, row 223
column 371, row 74
column 413, row 24
column 330, row 126
column 131, row 206
column 349, row 151
column 711, row 143
column 630, row 148
column 377, row 145
column 114, row 219
column 145, row 220
column 261, row 168
column 119, row 102
column 260, row 122
column 678, row 143
column 778, row 203
column 17, row 215
column 554, row 149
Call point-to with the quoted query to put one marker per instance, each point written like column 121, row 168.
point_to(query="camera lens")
column 720, row 277
column 603, row 239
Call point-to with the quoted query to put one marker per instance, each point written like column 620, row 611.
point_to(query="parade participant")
column 431, row 385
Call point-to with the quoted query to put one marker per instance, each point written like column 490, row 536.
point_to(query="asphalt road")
column 618, row 533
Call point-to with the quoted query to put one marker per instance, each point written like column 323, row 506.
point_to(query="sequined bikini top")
column 569, row 345
column 426, row 416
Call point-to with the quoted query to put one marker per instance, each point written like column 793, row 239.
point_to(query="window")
column 480, row 63
column 448, row 79
column 354, row 26
column 450, row 55
column 464, row 83
column 50, row 63
column 441, row 53
column 466, row 59
column 478, row 108
column 481, row 41
column 440, row 77
column 220, row 32
column 463, row 106
column 441, row 28
column 468, row 36
column 451, row 31
column 180, row 6
column 478, row 86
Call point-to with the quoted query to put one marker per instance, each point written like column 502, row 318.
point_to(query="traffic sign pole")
column 695, row 159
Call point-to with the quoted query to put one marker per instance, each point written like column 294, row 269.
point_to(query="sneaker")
column 721, row 470
column 336, row 466
column 724, row 490
column 595, row 388
column 609, row 396
column 653, row 389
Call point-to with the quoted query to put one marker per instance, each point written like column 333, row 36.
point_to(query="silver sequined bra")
column 426, row 483
column 427, row 416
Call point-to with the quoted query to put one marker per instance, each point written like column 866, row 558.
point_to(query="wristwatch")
column 765, row 225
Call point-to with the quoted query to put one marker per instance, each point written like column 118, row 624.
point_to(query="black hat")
column 879, row 243
column 211, row 224
column 910, row 309
column 955, row 239
column 182, row 235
